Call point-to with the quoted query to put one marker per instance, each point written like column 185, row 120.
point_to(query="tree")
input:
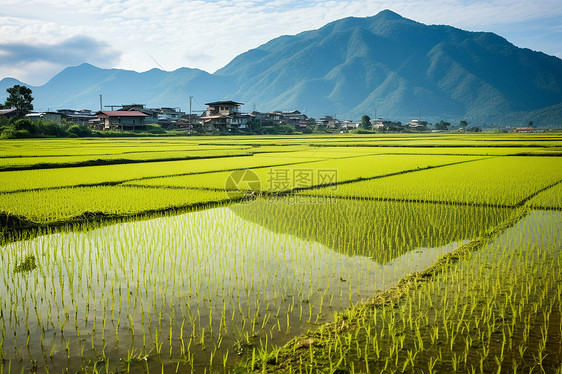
column 531, row 124
column 463, row 124
column 254, row 125
column 20, row 98
column 442, row 125
column 366, row 122
column 25, row 124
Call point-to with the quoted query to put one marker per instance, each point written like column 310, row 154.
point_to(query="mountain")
column 79, row 87
column 386, row 64
column 398, row 67
column 10, row 82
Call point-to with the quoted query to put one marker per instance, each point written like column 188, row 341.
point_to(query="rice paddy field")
column 417, row 253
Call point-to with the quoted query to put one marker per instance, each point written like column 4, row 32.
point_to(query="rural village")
column 226, row 117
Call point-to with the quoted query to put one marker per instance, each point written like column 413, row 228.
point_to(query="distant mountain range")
column 385, row 64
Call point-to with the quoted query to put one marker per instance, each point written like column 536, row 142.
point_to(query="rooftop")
column 6, row 111
column 214, row 103
column 122, row 113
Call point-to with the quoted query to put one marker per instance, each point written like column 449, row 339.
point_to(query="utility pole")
column 189, row 118
column 101, row 106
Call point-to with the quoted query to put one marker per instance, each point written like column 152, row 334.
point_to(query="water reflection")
column 194, row 290
column 382, row 230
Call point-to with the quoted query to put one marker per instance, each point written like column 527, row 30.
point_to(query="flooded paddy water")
column 198, row 291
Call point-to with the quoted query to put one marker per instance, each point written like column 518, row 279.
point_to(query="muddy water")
column 202, row 289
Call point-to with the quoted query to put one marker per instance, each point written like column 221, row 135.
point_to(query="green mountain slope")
column 398, row 67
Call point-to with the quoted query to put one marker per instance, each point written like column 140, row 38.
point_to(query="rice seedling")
column 122, row 156
column 306, row 175
column 96, row 202
column 112, row 174
column 549, row 199
column 504, row 181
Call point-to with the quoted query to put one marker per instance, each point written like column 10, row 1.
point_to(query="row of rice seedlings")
column 465, row 151
column 501, row 180
column 145, row 155
column 106, row 146
column 305, row 175
column 193, row 291
column 548, row 199
column 498, row 311
column 39, row 148
column 446, row 140
column 66, row 203
column 52, row 178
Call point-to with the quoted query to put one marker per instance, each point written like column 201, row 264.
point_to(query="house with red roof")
column 121, row 120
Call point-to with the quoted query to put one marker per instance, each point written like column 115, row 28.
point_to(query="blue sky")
column 40, row 38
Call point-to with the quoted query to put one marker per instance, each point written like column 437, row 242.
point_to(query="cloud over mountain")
column 173, row 30
column 25, row 59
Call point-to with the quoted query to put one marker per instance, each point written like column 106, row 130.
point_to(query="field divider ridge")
column 525, row 200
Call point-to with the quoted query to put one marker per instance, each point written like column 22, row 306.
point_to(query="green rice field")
column 416, row 253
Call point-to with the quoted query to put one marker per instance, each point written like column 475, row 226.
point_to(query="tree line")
column 441, row 125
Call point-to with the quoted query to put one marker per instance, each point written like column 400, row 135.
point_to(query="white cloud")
column 30, row 62
column 208, row 34
column 34, row 73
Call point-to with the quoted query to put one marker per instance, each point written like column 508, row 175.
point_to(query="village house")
column 417, row 125
column 162, row 116
column 170, row 114
column 267, row 119
column 382, row 125
column 44, row 116
column 294, row 118
column 377, row 123
column 80, row 117
column 348, row 126
column 328, row 122
column 224, row 116
column 12, row 112
column 130, row 120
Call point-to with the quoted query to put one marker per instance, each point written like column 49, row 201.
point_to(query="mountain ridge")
column 385, row 63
